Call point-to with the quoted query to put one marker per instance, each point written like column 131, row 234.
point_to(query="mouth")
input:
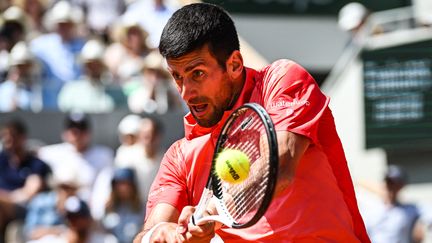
column 199, row 110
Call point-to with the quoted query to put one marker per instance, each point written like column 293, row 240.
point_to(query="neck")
column 238, row 87
column 17, row 155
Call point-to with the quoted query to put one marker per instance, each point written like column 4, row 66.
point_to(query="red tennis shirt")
column 320, row 204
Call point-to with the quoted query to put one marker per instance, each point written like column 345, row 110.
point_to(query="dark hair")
column 17, row 125
column 77, row 120
column 196, row 25
column 124, row 174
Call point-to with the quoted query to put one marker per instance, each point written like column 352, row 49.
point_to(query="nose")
column 188, row 90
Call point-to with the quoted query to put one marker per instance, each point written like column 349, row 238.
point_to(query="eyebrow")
column 194, row 65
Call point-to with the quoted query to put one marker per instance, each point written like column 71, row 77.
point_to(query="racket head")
column 250, row 130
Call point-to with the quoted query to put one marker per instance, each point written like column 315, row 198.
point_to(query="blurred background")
column 87, row 107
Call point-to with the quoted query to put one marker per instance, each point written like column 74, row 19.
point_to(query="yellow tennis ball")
column 232, row 166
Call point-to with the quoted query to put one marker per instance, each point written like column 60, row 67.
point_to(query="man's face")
column 80, row 138
column 203, row 84
column 11, row 139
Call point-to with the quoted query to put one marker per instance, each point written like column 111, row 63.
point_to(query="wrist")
column 148, row 234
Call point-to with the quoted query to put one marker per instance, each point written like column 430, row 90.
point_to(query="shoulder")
column 282, row 68
column 176, row 150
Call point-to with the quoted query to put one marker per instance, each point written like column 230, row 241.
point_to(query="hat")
column 351, row 16
column 92, row 50
column 15, row 14
column 395, row 173
column 130, row 124
column 124, row 174
column 20, row 54
column 65, row 175
column 76, row 207
column 77, row 120
column 64, row 12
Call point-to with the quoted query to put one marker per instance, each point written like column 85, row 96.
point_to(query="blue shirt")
column 26, row 97
column 59, row 63
column 42, row 211
column 13, row 177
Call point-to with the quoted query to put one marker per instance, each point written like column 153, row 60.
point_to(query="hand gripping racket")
column 250, row 130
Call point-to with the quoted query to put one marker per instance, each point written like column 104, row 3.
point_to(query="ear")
column 234, row 65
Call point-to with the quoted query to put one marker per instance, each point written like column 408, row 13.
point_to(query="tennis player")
column 314, row 199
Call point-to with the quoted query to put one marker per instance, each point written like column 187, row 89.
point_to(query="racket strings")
column 243, row 199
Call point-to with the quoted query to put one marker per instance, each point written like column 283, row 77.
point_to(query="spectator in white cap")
column 81, row 228
column 152, row 91
column 128, row 129
column 46, row 210
column 59, row 50
column 22, row 89
column 88, row 94
column 124, row 57
column 146, row 156
column 12, row 31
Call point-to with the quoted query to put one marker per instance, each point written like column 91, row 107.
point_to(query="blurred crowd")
column 88, row 56
column 77, row 191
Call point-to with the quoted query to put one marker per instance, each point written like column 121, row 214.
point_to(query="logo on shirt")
column 280, row 103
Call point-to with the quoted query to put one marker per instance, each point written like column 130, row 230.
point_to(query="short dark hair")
column 17, row 125
column 196, row 25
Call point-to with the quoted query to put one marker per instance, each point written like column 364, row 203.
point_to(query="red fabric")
column 320, row 206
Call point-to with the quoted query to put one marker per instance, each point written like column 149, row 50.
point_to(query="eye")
column 198, row 74
column 176, row 76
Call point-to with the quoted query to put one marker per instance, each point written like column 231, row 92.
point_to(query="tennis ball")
column 232, row 166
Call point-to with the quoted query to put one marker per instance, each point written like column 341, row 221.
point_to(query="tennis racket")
column 250, row 130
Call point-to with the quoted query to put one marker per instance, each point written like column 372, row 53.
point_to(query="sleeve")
column 169, row 186
column 293, row 99
column 32, row 216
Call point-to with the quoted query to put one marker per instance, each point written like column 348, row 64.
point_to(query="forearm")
column 161, row 213
column 291, row 148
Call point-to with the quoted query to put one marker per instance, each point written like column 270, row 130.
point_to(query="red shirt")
column 320, row 204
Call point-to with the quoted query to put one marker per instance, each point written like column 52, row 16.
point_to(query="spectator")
column 124, row 211
column 46, row 210
column 153, row 91
column 22, row 89
column 77, row 152
column 88, row 93
column 128, row 130
column 22, row 175
column 146, row 163
column 58, row 51
column 81, row 226
column 101, row 14
column 391, row 220
column 35, row 10
column 152, row 16
column 125, row 56
column 12, row 31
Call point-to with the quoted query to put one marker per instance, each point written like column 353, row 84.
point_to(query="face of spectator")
column 66, row 30
column 79, row 138
column 66, row 190
column 33, row 8
column 129, row 139
column 393, row 188
column 124, row 190
column 80, row 223
column 11, row 139
column 147, row 135
column 134, row 40
column 94, row 69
